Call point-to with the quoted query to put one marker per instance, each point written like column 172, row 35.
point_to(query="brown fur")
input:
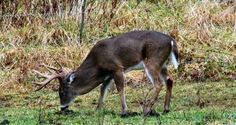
column 109, row 58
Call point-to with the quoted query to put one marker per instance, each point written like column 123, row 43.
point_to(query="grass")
column 205, row 34
column 217, row 106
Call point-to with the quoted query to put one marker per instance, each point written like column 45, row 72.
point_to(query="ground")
column 192, row 103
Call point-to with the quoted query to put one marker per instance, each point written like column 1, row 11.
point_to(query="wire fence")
column 39, row 6
column 21, row 12
column 62, row 8
column 12, row 11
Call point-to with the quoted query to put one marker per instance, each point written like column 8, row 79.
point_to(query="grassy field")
column 205, row 31
column 192, row 103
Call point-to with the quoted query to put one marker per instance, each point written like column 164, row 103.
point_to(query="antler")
column 56, row 73
column 58, row 63
column 50, row 68
column 49, row 78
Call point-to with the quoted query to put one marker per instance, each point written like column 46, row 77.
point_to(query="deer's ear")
column 71, row 78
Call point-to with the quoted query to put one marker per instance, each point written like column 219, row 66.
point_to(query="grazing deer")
column 110, row 59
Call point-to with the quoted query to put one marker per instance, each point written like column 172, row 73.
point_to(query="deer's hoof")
column 128, row 114
column 98, row 108
column 152, row 113
column 64, row 108
column 166, row 111
column 67, row 112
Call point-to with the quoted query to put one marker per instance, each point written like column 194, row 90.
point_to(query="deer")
column 109, row 59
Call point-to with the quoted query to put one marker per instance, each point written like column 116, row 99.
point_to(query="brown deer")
column 110, row 59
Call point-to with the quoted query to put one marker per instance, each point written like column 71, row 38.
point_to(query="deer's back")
column 127, row 49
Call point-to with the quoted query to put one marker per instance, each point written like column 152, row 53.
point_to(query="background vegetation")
column 34, row 32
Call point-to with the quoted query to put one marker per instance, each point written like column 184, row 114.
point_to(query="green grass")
column 217, row 106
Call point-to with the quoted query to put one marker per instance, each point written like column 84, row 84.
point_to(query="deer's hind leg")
column 153, row 65
column 167, row 80
column 153, row 69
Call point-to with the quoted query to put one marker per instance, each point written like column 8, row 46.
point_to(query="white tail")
column 173, row 57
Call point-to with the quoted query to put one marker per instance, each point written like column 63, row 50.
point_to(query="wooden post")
column 82, row 22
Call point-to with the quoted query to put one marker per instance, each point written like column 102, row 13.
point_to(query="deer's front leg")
column 103, row 91
column 119, row 81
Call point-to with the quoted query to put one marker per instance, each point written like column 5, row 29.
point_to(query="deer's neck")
column 87, row 78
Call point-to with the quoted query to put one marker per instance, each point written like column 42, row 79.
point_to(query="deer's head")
column 65, row 77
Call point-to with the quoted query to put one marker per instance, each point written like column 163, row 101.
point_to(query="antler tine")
column 41, row 74
column 49, row 78
column 45, row 83
column 39, row 88
column 50, row 68
column 58, row 63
